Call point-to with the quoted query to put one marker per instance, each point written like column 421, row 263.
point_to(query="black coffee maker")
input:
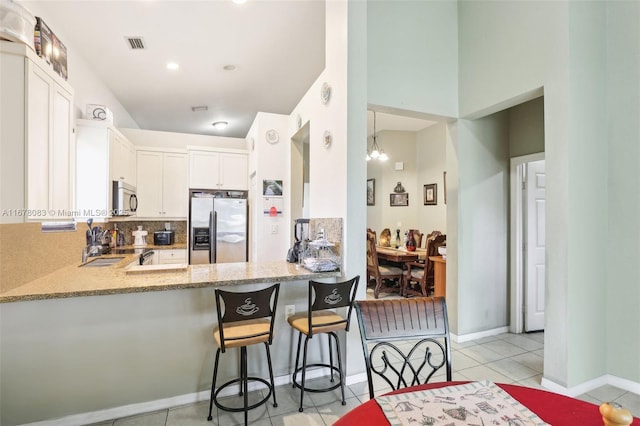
column 301, row 236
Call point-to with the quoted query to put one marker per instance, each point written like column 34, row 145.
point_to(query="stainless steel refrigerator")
column 218, row 227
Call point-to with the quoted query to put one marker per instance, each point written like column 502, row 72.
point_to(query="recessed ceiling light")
column 172, row 66
column 220, row 125
column 229, row 67
column 239, row 1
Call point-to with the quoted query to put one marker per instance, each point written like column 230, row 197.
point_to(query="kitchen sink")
column 107, row 261
column 125, row 251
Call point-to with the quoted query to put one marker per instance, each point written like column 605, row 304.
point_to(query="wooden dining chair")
column 421, row 273
column 372, row 234
column 380, row 273
column 422, row 321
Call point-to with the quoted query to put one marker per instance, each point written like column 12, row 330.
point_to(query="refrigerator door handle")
column 213, row 222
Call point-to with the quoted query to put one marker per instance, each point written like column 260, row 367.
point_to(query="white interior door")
column 534, row 265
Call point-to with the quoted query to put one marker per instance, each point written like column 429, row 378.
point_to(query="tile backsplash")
column 179, row 228
column 333, row 232
column 27, row 253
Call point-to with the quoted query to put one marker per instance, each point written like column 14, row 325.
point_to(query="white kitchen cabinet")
column 209, row 169
column 162, row 179
column 103, row 155
column 168, row 257
column 123, row 159
column 36, row 147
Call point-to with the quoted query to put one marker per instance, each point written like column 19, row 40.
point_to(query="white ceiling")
column 277, row 47
column 387, row 121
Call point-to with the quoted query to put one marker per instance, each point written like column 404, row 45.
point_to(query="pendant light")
column 376, row 152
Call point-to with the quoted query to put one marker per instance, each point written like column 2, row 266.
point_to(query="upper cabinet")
column 103, row 155
column 36, row 123
column 162, row 184
column 123, row 159
column 217, row 169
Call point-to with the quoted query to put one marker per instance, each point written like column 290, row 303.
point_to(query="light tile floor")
column 506, row 358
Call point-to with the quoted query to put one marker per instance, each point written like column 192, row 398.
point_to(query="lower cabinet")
column 168, row 257
column 162, row 179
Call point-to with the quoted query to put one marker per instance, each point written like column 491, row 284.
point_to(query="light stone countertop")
column 76, row 281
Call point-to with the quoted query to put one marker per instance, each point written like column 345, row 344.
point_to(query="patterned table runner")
column 473, row 404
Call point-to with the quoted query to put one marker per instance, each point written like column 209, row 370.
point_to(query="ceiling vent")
column 135, row 43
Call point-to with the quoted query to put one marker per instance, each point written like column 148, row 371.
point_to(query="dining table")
column 552, row 408
column 401, row 254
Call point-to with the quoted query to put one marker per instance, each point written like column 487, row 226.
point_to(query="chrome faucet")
column 90, row 250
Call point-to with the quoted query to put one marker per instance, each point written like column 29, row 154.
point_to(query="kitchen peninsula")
column 79, row 280
column 84, row 344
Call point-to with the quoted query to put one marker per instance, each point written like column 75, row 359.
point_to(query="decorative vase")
column 385, row 238
column 411, row 242
column 398, row 238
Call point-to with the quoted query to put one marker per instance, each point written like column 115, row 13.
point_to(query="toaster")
column 163, row 238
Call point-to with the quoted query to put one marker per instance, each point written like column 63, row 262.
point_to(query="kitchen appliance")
column 163, row 238
column 140, row 237
column 301, row 237
column 125, row 200
column 218, row 227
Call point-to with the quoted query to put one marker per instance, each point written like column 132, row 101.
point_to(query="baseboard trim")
column 191, row 398
column 124, row 410
column 356, row 378
column 588, row 386
column 479, row 335
column 176, row 401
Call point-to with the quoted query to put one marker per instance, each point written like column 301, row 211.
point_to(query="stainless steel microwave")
column 125, row 200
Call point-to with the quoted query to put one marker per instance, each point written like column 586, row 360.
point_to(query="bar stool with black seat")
column 321, row 318
column 244, row 319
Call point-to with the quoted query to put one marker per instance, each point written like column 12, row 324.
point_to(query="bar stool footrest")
column 241, row 409
column 306, row 389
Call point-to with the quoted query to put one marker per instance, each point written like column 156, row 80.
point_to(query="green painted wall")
column 623, row 197
column 584, row 56
column 483, row 197
column 587, row 172
column 508, row 50
column 412, row 62
column 526, row 128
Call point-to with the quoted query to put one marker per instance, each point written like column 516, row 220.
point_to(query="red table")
column 553, row 408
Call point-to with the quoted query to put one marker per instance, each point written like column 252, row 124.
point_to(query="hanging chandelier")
column 376, row 152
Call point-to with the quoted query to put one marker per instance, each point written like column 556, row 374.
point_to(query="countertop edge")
column 167, row 287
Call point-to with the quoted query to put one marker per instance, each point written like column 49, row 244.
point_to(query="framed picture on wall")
column 272, row 187
column 371, row 192
column 430, row 194
column 399, row 200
